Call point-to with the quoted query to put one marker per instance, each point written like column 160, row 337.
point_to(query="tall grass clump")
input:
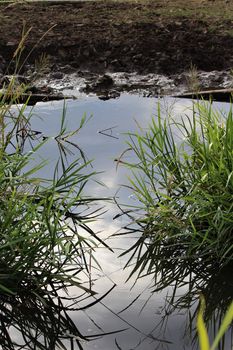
column 183, row 177
column 42, row 229
column 45, row 238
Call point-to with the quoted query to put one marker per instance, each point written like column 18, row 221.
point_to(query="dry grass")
column 200, row 9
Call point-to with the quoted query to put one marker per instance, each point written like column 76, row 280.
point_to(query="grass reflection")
column 40, row 319
column 184, row 280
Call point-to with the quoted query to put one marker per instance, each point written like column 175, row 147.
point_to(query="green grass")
column 41, row 231
column 45, row 239
column 183, row 178
column 185, row 188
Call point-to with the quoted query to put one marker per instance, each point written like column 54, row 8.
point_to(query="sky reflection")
column 119, row 117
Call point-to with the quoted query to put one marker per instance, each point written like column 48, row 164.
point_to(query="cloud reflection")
column 124, row 115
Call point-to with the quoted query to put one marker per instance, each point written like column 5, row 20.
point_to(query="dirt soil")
column 161, row 36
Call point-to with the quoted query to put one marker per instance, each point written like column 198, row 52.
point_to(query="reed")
column 45, row 237
column 185, row 187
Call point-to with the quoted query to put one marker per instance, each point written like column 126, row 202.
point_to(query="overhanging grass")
column 45, row 239
column 185, row 187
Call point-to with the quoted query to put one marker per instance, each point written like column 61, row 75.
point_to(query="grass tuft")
column 45, row 238
column 185, row 187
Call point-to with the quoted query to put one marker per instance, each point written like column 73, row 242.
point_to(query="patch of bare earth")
column 147, row 37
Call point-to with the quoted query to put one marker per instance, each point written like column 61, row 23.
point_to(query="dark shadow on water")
column 185, row 279
column 41, row 321
column 37, row 319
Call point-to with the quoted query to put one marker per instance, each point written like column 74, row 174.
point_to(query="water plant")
column 44, row 232
column 181, row 174
column 183, row 178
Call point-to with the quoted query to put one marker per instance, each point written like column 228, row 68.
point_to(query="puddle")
column 147, row 324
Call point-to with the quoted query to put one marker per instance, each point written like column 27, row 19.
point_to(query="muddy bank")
column 111, row 85
column 106, row 47
column 59, row 85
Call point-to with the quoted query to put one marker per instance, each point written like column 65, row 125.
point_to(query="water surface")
column 103, row 139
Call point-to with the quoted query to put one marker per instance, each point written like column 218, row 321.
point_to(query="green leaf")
column 201, row 328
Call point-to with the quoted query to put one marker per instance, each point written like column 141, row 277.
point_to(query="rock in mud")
column 45, row 90
column 103, row 83
column 108, row 95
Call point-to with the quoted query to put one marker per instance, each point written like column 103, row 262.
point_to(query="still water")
column 147, row 320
